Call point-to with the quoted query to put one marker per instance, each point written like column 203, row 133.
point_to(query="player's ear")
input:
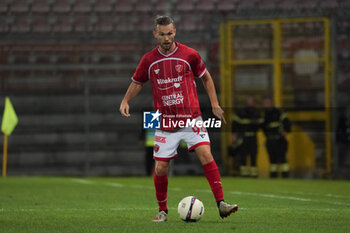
column 155, row 33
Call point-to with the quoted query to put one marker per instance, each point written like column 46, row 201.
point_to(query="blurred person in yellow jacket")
column 276, row 126
column 246, row 122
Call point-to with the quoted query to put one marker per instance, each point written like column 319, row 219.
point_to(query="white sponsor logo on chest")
column 169, row 80
column 172, row 99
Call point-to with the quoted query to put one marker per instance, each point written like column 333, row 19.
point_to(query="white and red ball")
column 190, row 209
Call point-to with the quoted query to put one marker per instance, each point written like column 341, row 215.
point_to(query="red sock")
column 161, row 185
column 211, row 171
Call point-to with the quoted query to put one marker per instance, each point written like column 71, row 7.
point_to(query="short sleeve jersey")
column 172, row 80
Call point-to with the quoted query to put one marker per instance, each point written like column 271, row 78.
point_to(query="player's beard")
column 166, row 46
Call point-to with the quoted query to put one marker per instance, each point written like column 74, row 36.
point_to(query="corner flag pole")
column 8, row 124
column 4, row 158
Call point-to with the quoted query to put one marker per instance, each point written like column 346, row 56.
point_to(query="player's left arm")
column 210, row 88
column 286, row 123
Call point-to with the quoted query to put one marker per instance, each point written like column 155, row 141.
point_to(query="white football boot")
column 225, row 209
column 161, row 217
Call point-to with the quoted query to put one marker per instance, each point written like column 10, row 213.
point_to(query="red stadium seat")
column 345, row 3
column 188, row 23
column 287, row 4
column 308, row 4
column 162, row 6
column 62, row 58
column 82, row 6
column 82, row 24
column 342, row 27
column 345, row 45
column 246, row 5
column 309, row 26
column 123, row 6
column 19, row 6
column 145, row 24
column 105, row 24
column 105, row 58
column 144, row 6
column 214, row 52
column 61, row 6
column 226, row 6
column 103, row 6
column 62, row 24
column 4, row 27
column 40, row 25
column 125, row 25
column 3, row 6
column 20, row 24
column 328, row 4
column 267, row 4
column 40, row 6
column 206, row 5
column 43, row 58
column 184, row 5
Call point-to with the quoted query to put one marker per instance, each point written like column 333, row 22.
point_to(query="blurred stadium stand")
column 67, row 63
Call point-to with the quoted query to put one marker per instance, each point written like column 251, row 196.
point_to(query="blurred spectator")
column 276, row 125
column 233, row 150
column 244, row 141
column 343, row 136
column 147, row 137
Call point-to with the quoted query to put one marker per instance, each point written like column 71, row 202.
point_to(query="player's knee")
column 161, row 168
column 205, row 157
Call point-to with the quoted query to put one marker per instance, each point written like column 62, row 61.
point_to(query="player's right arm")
column 133, row 90
column 138, row 79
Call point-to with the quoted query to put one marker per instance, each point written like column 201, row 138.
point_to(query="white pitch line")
column 144, row 208
column 141, row 187
column 203, row 190
column 337, row 203
column 288, row 197
column 320, row 194
column 79, row 210
column 175, row 189
column 82, row 181
column 153, row 208
column 115, row 185
column 118, row 185
column 261, row 195
column 266, row 195
column 270, row 196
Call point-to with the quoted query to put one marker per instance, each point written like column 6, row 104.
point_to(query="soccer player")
column 171, row 68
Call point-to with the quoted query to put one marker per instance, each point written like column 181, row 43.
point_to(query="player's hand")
column 219, row 113
column 124, row 109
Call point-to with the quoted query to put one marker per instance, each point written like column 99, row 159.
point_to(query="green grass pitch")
column 54, row 204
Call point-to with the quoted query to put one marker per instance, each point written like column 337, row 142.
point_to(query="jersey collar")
column 169, row 54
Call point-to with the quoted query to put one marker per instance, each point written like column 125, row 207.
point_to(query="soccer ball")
column 190, row 209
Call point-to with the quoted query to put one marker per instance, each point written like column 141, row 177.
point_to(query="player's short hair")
column 163, row 20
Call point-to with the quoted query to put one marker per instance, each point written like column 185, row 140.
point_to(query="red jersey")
column 172, row 79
